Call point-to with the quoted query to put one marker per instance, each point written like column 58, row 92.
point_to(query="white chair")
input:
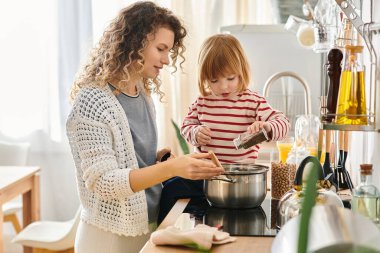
column 50, row 236
column 13, row 154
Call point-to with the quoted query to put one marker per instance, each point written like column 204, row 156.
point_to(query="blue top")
column 142, row 123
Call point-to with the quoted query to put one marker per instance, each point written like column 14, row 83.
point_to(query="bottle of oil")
column 351, row 108
column 366, row 197
column 346, row 34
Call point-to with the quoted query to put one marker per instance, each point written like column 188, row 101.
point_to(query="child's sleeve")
column 190, row 124
column 279, row 122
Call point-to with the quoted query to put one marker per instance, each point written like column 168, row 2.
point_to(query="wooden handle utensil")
column 214, row 159
column 346, row 141
column 328, row 141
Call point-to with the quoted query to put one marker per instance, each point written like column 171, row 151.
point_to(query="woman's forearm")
column 144, row 178
column 188, row 166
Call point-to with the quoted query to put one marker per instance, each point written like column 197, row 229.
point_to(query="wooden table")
column 14, row 181
column 242, row 244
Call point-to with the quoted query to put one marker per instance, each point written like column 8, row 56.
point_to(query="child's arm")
column 278, row 122
column 191, row 126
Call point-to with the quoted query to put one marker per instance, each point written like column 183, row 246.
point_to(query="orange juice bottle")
column 284, row 149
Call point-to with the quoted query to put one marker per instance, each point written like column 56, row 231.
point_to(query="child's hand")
column 203, row 135
column 258, row 125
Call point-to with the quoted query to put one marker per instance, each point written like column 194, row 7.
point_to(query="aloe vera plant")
column 181, row 140
column 307, row 205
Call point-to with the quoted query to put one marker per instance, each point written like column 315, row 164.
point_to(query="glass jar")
column 366, row 197
column 346, row 34
column 324, row 25
column 282, row 178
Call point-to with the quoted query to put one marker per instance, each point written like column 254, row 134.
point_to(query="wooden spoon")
column 215, row 159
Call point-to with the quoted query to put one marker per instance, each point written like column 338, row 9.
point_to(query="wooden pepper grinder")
column 334, row 70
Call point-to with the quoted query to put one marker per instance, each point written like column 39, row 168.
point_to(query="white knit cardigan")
column 102, row 147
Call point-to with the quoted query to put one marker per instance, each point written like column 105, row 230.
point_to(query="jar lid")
column 244, row 169
column 366, row 169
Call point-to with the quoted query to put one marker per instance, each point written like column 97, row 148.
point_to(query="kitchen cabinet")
column 242, row 244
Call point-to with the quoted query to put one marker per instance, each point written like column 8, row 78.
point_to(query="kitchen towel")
column 184, row 233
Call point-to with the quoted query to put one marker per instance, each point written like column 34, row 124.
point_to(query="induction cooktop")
column 259, row 221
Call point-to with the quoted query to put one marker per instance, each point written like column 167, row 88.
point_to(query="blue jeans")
column 177, row 188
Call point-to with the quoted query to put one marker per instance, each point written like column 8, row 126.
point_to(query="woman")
column 112, row 131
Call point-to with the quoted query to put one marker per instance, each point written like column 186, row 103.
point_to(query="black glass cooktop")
column 259, row 221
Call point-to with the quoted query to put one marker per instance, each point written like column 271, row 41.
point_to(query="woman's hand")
column 258, row 125
column 192, row 167
column 203, row 135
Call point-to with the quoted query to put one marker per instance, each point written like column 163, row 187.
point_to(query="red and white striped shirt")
column 229, row 117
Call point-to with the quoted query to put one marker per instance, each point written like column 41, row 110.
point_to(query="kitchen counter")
column 242, row 244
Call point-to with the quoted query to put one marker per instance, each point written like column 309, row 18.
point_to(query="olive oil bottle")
column 351, row 107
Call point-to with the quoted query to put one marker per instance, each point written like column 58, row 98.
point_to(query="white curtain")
column 29, row 86
column 42, row 43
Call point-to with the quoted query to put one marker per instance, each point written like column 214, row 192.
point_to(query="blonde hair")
column 221, row 54
column 119, row 51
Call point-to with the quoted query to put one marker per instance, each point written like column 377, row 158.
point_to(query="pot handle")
column 225, row 179
column 299, row 173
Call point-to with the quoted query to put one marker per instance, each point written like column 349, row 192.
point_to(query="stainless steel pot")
column 250, row 221
column 240, row 186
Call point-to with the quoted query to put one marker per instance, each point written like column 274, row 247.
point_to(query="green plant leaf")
column 181, row 140
column 197, row 248
column 307, row 206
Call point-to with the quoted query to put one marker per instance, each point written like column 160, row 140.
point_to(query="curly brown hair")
column 122, row 44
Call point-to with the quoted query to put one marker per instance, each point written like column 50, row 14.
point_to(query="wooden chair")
column 13, row 154
column 50, row 236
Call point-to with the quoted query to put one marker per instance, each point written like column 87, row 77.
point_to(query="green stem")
column 307, row 206
column 181, row 140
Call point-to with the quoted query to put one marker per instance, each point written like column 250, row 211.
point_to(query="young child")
column 226, row 107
